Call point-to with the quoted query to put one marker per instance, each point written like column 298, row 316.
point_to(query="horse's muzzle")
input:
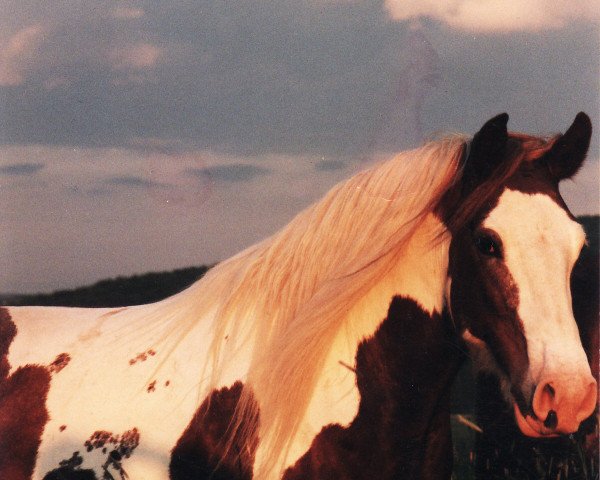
column 559, row 407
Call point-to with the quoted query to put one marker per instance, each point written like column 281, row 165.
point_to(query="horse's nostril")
column 551, row 420
column 573, row 398
column 544, row 404
column 550, row 390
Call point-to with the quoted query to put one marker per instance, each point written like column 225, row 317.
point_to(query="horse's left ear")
column 486, row 151
column 569, row 150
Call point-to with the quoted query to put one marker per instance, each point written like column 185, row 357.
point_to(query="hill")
column 117, row 292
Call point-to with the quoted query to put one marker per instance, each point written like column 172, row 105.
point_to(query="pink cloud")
column 137, row 56
column 18, row 53
column 495, row 16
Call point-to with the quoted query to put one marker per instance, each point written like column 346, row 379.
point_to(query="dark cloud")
column 89, row 192
column 229, row 173
column 329, row 165
column 21, row 169
column 132, row 181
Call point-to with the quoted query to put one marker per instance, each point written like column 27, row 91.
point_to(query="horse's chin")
column 530, row 426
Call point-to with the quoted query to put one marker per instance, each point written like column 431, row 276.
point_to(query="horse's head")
column 514, row 244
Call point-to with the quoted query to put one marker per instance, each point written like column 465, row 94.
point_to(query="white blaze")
column 541, row 243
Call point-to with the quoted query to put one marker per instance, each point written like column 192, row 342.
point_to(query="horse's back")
column 41, row 333
column 91, row 392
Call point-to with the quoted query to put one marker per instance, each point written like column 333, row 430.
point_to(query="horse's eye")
column 487, row 246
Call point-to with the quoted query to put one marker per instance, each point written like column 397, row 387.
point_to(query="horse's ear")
column 569, row 150
column 487, row 150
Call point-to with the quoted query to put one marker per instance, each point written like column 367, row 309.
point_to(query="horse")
column 326, row 350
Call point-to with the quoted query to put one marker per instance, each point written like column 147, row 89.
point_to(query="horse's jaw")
column 484, row 362
column 529, row 424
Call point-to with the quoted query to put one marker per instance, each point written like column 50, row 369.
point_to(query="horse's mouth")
column 532, row 427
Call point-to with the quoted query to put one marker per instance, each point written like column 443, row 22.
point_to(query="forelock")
column 475, row 202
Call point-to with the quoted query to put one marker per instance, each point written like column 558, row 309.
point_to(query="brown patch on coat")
column 486, row 172
column 8, row 331
column 70, row 469
column 484, row 299
column 205, row 449
column 142, row 357
column 535, row 177
column 402, row 429
column 23, row 413
column 100, row 438
column 151, row 387
column 62, row 428
column 60, row 362
column 497, row 159
column 122, row 447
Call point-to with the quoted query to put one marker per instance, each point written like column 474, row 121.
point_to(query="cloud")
column 131, row 181
column 96, row 47
column 329, row 165
column 17, row 53
column 497, row 16
column 137, row 56
column 338, row 79
column 21, row 169
column 277, row 77
column 229, row 173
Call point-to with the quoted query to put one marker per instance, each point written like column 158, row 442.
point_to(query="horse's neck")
column 420, row 274
column 403, row 375
column 385, row 386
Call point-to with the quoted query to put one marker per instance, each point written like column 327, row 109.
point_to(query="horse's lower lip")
column 531, row 427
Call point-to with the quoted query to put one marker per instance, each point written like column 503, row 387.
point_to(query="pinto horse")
column 327, row 350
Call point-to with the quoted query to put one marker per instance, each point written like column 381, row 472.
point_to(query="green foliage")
column 567, row 458
column 463, row 440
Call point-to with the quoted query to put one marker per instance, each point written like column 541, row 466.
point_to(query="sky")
column 150, row 135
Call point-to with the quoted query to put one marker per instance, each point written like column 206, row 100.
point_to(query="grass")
column 567, row 458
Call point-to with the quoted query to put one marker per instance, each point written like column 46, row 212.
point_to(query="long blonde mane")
column 297, row 287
